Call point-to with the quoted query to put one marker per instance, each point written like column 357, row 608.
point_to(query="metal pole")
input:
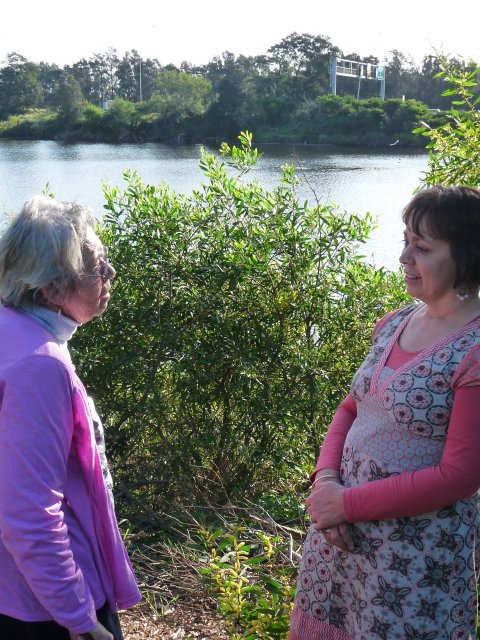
column 140, row 85
column 333, row 76
column 358, row 88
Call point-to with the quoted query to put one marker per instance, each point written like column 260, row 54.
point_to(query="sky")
column 173, row 31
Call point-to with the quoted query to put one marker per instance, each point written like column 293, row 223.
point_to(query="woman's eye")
column 416, row 247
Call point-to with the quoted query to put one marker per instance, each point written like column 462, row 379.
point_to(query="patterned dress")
column 411, row 578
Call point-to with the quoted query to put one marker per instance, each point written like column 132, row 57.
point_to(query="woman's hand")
column 325, row 507
column 97, row 633
column 325, row 504
column 340, row 536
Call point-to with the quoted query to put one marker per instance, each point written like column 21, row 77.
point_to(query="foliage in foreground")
column 237, row 560
column 246, row 572
column 455, row 146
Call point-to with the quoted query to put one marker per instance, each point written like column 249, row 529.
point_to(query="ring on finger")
column 326, row 530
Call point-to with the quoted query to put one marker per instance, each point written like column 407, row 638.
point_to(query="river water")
column 357, row 180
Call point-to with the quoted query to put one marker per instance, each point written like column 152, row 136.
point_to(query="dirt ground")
column 181, row 621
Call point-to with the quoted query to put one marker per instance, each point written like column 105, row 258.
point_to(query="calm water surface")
column 358, row 180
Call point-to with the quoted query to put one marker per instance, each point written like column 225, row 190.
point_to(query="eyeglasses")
column 103, row 271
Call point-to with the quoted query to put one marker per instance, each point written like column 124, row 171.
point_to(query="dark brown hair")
column 451, row 214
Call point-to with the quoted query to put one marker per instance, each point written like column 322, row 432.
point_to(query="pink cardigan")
column 61, row 553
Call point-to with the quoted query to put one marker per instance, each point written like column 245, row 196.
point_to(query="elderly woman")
column 393, row 549
column 64, row 570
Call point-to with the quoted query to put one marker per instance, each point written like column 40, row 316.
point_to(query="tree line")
column 280, row 95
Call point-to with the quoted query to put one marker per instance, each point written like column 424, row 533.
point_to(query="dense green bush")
column 35, row 124
column 372, row 122
column 237, row 319
column 326, row 120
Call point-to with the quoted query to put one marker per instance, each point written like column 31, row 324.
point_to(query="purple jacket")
column 61, row 553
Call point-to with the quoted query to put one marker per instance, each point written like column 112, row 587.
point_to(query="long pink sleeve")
column 457, row 475
column 331, row 452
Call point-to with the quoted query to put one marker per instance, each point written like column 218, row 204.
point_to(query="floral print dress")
column 411, row 578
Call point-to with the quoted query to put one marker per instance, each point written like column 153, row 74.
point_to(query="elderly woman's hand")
column 325, row 507
column 98, row 633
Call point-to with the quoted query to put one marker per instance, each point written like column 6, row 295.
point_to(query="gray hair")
column 43, row 245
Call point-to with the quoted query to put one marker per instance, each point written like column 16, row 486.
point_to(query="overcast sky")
column 172, row 31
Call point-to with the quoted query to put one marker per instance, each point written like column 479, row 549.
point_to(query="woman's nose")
column 111, row 272
column 406, row 256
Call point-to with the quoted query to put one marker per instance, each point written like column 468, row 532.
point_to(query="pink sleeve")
column 332, row 448
column 36, row 429
column 457, row 476
column 468, row 373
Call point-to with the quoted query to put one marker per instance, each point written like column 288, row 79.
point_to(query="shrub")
column 237, row 319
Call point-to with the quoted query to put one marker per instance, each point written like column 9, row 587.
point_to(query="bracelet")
column 327, row 475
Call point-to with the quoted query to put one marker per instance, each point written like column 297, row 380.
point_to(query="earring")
column 462, row 295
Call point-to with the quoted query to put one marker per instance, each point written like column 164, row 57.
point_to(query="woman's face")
column 90, row 299
column 429, row 268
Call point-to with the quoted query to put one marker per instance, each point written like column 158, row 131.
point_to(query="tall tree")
column 127, row 76
column 49, row 77
column 228, row 113
column 69, row 99
column 179, row 95
column 20, row 88
column 82, row 71
column 400, row 76
column 104, row 66
column 303, row 61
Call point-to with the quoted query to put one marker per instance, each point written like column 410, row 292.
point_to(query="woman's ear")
column 51, row 296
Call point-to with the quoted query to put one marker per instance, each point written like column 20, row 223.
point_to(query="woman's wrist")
column 325, row 475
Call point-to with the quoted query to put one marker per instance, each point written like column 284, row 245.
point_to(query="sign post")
column 356, row 69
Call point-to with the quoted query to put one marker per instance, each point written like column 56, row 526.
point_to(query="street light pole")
column 140, row 83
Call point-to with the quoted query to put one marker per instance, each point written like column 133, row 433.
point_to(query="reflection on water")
column 378, row 181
